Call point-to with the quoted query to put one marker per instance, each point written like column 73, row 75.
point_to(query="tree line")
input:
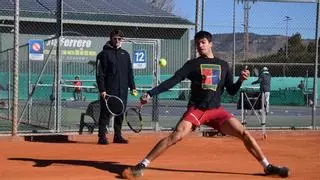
column 297, row 52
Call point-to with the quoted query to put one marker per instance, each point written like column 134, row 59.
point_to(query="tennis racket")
column 114, row 105
column 134, row 119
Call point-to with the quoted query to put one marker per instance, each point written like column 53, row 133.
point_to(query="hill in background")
column 259, row 45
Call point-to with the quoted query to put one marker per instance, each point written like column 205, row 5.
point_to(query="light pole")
column 234, row 39
column 246, row 29
column 287, row 19
column 196, row 24
column 202, row 14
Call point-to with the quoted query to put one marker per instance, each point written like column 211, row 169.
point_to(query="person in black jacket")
column 265, row 85
column 209, row 76
column 114, row 76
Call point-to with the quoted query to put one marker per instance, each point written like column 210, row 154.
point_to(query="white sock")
column 264, row 162
column 145, row 162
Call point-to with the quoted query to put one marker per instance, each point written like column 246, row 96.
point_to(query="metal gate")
column 144, row 56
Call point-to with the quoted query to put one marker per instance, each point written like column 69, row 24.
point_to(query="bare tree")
column 166, row 5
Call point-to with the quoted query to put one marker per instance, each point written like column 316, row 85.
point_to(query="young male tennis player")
column 209, row 76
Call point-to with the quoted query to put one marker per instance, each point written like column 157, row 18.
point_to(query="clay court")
column 196, row 157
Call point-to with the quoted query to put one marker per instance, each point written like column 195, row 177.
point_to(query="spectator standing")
column 77, row 94
column 114, row 76
column 265, row 86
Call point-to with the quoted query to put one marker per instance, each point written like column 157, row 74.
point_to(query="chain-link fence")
column 47, row 99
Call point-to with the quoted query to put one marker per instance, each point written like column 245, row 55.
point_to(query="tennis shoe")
column 103, row 141
column 135, row 172
column 275, row 170
column 120, row 140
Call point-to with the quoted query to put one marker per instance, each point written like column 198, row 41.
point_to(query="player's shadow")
column 210, row 172
column 115, row 167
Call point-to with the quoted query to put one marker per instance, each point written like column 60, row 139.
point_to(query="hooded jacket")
column 114, row 73
column 264, row 80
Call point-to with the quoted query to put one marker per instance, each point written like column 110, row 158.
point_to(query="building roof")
column 104, row 12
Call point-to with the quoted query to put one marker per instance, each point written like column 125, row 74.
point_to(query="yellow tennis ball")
column 135, row 93
column 162, row 62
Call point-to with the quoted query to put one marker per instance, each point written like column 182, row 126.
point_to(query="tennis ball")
column 162, row 62
column 134, row 93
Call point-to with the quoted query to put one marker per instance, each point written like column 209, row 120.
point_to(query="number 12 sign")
column 139, row 59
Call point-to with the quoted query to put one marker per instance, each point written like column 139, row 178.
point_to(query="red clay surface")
column 195, row 157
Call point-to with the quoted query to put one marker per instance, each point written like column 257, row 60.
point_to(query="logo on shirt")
column 211, row 76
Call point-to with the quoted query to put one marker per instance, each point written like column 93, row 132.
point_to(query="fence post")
column 15, row 70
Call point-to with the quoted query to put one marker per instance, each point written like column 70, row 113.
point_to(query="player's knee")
column 177, row 137
column 174, row 138
column 246, row 135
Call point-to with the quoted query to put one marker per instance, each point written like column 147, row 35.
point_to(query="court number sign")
column 139, row 59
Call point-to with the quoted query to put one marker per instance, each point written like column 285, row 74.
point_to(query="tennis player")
column 209, row 76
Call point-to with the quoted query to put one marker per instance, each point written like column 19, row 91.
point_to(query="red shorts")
column 210, row 117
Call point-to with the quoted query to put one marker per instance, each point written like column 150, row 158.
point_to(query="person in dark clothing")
column 308, row 97
column 301, row 85
column 209, row 76
column 114, row 76
column 265, row 83
column 77, row 95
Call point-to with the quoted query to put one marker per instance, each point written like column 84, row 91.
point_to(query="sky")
column 266, row 18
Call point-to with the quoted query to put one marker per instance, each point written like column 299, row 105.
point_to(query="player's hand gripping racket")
column 114, row 105
column 134, row 119
column 245, row 74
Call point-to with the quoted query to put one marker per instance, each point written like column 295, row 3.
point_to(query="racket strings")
column 133, row 118
column 115, row 105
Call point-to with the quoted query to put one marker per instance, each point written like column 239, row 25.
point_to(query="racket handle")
column 139, row 105
column 144, row 98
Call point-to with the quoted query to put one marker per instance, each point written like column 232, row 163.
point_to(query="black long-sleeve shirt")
column 209, row 77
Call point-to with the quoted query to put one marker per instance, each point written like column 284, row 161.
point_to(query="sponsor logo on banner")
column 74, row 48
